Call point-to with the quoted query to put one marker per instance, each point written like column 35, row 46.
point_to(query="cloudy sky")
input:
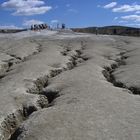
column 74, row 13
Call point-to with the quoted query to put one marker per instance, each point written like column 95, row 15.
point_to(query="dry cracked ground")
column 69, row 86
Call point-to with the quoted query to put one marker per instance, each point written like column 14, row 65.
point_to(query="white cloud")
column 54, row 21
column 123, row 21
column 127, row 8
column 32, row 11
column 115, row 18
column 22, row 3
column 9, row 27
column 137, row 12
column 134, row 25
column 135, row 18
column 26, row 7
column 110, row 5
column 31, row 22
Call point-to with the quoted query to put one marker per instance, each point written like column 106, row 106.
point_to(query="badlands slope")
column 69, row 86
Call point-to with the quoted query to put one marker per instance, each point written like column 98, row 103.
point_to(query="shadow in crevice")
column 108, row 73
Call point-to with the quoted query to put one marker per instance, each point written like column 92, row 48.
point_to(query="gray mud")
column 64, row 85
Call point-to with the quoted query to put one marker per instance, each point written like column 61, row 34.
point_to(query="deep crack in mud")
column 46, row 97
column 108, row 74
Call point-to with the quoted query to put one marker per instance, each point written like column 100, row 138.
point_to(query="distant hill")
column 111, row 30
column 11, row 30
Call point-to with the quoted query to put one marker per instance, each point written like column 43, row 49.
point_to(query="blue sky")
column 74, row 13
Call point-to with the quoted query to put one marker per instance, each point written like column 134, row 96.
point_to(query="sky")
column 74, row 13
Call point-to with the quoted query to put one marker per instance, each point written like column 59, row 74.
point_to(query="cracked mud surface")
column 69, row 86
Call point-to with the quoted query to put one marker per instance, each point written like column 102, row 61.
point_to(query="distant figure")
column 63, row 26
column 36, row 27
column 49, row 27
column 3, row 31
column 96, row 31
column 32, row 28
column 39, row 27
column 57, row 25
column 114, row 31
column 43, row 26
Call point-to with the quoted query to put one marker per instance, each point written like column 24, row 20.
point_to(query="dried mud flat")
column 69, row 86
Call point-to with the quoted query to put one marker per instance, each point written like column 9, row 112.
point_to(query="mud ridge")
column 16, row 60
column 38, row 50
column 108, row 74
column 6, row 67
column 13, row 120
column 11, row 124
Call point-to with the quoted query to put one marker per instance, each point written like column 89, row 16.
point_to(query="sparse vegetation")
column 12, row 30
column 111, row 30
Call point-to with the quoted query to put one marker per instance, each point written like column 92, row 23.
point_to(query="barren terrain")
column 61, row 85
